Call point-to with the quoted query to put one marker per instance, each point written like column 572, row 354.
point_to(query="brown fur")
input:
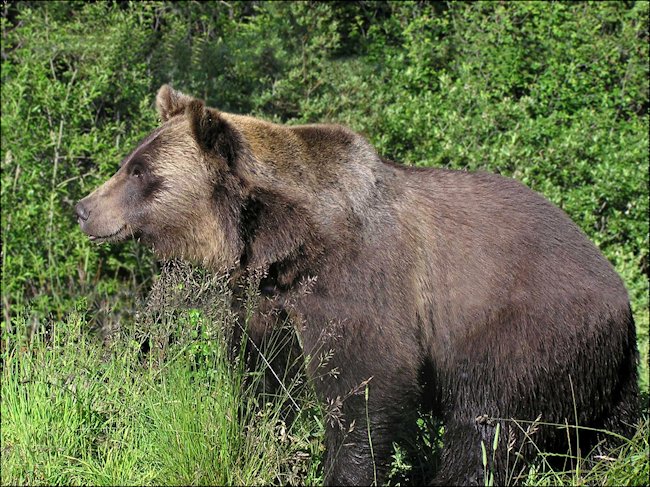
column 469, row 289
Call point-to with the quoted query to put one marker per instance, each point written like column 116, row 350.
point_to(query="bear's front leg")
column 360, row 434
column 353, row 456
column 366, row 374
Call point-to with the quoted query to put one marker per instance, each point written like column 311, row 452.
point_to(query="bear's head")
column 220, row 189
column 176, row 191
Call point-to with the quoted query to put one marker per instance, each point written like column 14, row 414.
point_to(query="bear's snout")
column 82, row 212
column 107, row 223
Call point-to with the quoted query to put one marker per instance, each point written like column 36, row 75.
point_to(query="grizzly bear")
column 467, row 294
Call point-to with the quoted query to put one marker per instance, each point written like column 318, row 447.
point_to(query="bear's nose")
column 81, row 211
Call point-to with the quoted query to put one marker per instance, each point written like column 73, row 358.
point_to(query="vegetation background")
column 552, row 94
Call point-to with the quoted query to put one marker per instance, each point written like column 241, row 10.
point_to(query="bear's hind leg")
column 624, row 411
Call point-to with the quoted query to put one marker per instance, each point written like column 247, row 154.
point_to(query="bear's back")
column 493, row 247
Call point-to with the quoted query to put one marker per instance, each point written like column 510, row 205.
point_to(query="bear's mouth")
column 115, row 236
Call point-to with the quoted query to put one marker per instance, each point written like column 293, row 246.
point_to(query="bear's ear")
column 170, row 102
column 212, row 132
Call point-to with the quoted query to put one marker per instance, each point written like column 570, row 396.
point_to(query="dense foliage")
column 553, row 94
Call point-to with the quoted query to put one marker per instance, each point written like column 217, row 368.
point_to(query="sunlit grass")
column 73, row 413
column 77, row 412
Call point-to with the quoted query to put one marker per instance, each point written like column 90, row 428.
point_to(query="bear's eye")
column 136, row 172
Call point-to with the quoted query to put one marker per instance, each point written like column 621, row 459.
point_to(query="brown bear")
column 466, row 293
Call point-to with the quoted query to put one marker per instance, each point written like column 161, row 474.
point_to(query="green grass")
column 77, row 410
column 628, row 464
column 624, row 464
column 74, row 412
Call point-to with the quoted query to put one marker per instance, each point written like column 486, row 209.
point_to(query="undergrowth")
column 168, row 401
column 171, row 401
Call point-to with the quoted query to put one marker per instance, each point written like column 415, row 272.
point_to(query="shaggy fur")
column 467, row 293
